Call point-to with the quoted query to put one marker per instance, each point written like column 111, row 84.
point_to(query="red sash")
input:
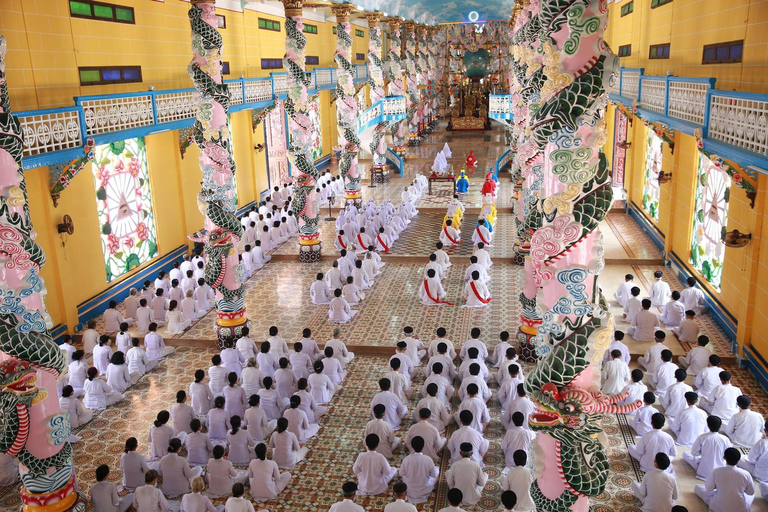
column 385, row 246
column 341, row 241
column 474, row 290
column 480, row 234
column 436, row 300
column 362, row 245
column 445, row 230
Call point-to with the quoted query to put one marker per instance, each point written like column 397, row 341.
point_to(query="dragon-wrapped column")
column 305, row 198
column 34, row 430
column 216, row 199
column 572, row 194
column 433, row 73
column 422, row 67
column 411, row 82
column 346, row 105
column 395, row 78
column 378, row 145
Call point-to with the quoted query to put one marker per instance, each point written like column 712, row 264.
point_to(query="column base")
column 229, row 331
column 525, row 348
column 65, row 499
column 413, row 139
column 379, row 173
column 310, row 253
column 399, row 149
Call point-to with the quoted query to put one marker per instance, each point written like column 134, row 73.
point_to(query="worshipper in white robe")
column 442, row 257
column 660, row 291
column 196, row 501
column 78, row 414
column 131, row 304
column 256, row 421
column 434, row 265
column 500, row 350
column 708, row 378
column 349, row 490
column 122, row 341
column 90, row 337
column 729, row 488
column 221, row 475
column 664, row 375
column 522, row 404
column 345, row 264
column 450, row 236
column 395, row 409
column 266, row 480
column 319, row 291
column 148, row 498
column 478, row 380
column 483, row 256
column 508, row 389
column 240, row 442
column 189, row 283
column 756, row 462
column 481, row 234
column 693, row 298
column 698, row 357
column 467, row 475
column 218, row 421
column 360, row 277
column 176, row 472
column 133, row 465
column 746, row 427
column 68, row 347
column 652, row 443
column 189, row 310
column 722, row 401
column 159, row 437
column 617, row 344
column 102, row 353
column 517, row 438
column 177, row 324
column 362, row 240
column 320, row 385
column 673, row 312
column 267, row 361
column 234, row 394
column 118, row 375
column 445, row 389
column 466, row 434
column 300, row 362
column 616, row 375
column 98, row 395
column 658, row 489
column 138, row 362
column 400, row 492
column 286, row 450
column 673, row 400
column 334, row 278
column 474, row 266
column 633, row 306
column 476, row 293
column 370, row 267
column 432, row 441
column 351, row 292
column 388, row 442
column 175, row 293
column 645, row 323
column 232, row 359
column 432, row 349
column 439, row 416
column 652, row 357
column 144, row 317
column 476, row 405
column 641, row 420
column 689, row 423
column 339, row 311
column 199, row 445
column 340, row 351
column 298, row 421
column 372, row 469
column 341, row 241
column 688, row 330
column 518, row 478
column 431, row 291
column 383, row 241
column 113, row 318
column 636, row 389
column 78, row 372
column 154, row 344
column 706, row 452
column 259, row 257
column 622, row 294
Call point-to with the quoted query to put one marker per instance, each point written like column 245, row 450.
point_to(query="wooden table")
column 442, row 178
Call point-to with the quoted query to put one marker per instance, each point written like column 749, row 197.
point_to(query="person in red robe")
column 471, row 159
column 489, row 187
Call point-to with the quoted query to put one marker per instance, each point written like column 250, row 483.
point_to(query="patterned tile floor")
column 280, row 290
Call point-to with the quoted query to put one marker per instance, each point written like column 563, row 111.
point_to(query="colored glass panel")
column 710, row 220
column 653, row 156
column 316, row 136
column 103, row 11
column 124, row 206
column 91, row 75
column 80, row 8
column 123, row 14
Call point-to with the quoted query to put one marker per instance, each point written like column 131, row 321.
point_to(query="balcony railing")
column 391, row 108
column 500, row 106
column 57, row 135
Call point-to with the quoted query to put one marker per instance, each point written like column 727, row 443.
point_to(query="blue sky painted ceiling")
column 441, row 11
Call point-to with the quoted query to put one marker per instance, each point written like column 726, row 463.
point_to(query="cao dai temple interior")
column 389, row 255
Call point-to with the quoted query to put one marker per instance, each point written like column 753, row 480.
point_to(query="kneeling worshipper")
column 431, row 292
column 476, row 293
column 340, row 312
column 449, row 235
column 471, row 159
column 319, row 291
column 489, row 187
column 482, row 234
column 462, row 183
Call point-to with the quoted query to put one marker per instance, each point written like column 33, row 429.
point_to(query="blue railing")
column 391, row 108
column 502, row 161
column 58, row 135
column 396, row 160
column 500, row 107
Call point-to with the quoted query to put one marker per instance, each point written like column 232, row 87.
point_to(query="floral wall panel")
column 710, row 220
column 277, row 150
column 651, row 181
column 124, row 204
column 316, row 137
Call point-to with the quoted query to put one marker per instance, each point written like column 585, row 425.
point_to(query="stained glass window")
column 652, row 169
column 710, row 219
column 314, row 117
column 124, row 204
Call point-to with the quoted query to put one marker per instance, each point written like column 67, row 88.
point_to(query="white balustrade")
column 104, row 115
column 54, row 131
column 687, row 101
column 258, row 90
column 739, row 121
column 323, row 77
column 176, row 106
column 653, row 94
column 235, row 93
column 281, row 84
column 394, row 106
column 499, row 104
column 367, row 115
column 630, row 84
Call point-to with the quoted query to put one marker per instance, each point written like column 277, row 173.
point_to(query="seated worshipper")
column 176, row 292
column 199, row 445
column 102, row 353
column 383, row 241
column 645, row 323
column 131, row 304
column 756, row 462
column 154, row 344
column 266, row 360
column 482, row 234
column 319, row 291
column 467, row 434
column 340, row 351
column 189, row 309
column 483, row 256
column 258, row 256
column 414, row 346
column 370, row 267
column 439, row 416
column 104, row 494
column 340, row 312
column 516, row 485
column 636, row 389
column 664, row 375
column 616, row 375
column 175, row 318
column 395, row 409
column 362, row 241
column 652, row 443
column 78, row 414
column 652, row 357
column 722, row 401
column 196, row 500
column 500, row 350
column 474, row 266
column 673, row 312
column 256, row 421
column 445, row 389
column 266, row 480
column 430, row 435
column 148, row 498
column 434, row 265
column 473, row 355
column 189, row 283
column 286, row 450
column 285, row 380
column 698, row 358
column 300, row 362
column 467, row 475
column 633, row 306
column 442, row 257
column 341, row 241
column 673, row 400
column 298, row 421
column 218, row 421
column 419, row 473
column 388, row 442
column 658, row 489
column 746, row 426
column 617, row 344
column 138, row 362
column 660, row 290
column 144, row 317
column 68, row 344
column 477, row 379
column 518, row 438
column 480, row 414
column 119, row 376
column 462, row 183
column 688, row 330
column 320, row 385
column 78, row 372
column 160, row 434
column 222, row 475
column 235, row 398
column 240, row 443
column 233, row 360
column 431, row 291
column 709, row 377
column 476, row 293
column 351, row 292
column 705, row 454
column 728, row 488
column 372, row 469
column 176, row 472
column 97, row 394
column 522, row 404
column 246, row 345
column 271, row 401
column 693, row 298
column 113, row 318
column 133, row 465
column 623, row 293
column 689, row 423
column 450, row 236
column 508, row 389
column 440, row 333
column 641, row 421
